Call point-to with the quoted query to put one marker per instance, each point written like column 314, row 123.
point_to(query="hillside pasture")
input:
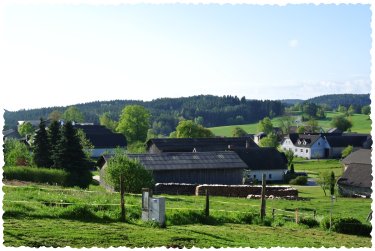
column 44, row 215
column 361, row 124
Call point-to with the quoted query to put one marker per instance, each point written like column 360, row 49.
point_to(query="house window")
column 301, row 150
column 307, row 150
column 284, row 148
column 255, row 176
column 295, row 150
column 270, row 176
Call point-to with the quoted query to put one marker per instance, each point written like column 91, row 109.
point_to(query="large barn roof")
column 362, row 156
column 358, row 175
column 263, row 158
column 201, row 144
column 346, row 140
column 101, row 137
column 190, row 160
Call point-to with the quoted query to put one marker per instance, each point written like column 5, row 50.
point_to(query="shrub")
column 34, row 174
column 309, row 222
column 300, row 180
column 347, row 225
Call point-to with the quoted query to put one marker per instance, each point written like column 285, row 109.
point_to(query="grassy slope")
column 35, row 224
column 361, row 124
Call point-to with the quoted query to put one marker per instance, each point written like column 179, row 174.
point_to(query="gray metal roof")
column 201, row 144
column 362, row 156
column 190, row 160
column 358, row 175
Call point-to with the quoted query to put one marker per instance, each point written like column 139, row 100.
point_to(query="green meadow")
column 38, row 215
column 361, row 124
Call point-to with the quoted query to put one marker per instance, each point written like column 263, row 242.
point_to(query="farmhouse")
column 305, row 145
column 324, row 145
column 198, row 144
column 11, row 134
column 103, row 139
column 264, row 160
column 188, row 167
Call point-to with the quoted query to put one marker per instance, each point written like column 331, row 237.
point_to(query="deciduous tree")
column 134, row 123
column 366, row 110
column 126, row 175
column 73, row 114
column 341, row 123
column 265, row 125
column 189, row 129
column 238, row 132
column 106, row 120
column 26, row 128
column 348, row 150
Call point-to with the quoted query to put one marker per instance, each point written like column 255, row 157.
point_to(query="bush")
column 81, row 178
column 347, row 226
column 309, row 222
column 300, row 180
column 35, row 174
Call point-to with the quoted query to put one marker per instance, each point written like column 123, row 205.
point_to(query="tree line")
column 165, row 113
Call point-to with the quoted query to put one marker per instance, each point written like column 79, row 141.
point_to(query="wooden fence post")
column 314, row 214
column 273, row 213
column 263, row 198
column 122, row 194
column 297, row 220
column 207, row 209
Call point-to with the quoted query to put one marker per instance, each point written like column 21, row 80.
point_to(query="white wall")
column 276, row 175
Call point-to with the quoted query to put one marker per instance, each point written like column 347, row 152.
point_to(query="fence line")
column 65, row 203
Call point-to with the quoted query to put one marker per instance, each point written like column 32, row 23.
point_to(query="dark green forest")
column 334, row 100
column 207, row 110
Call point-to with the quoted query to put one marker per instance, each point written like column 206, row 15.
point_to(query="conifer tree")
column 41, row 147
column 69, row 153
column 70, row 156
column 53, row 138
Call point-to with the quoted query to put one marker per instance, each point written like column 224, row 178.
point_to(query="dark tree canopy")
column 41, row 147
column 341, row 123
column 69, row 153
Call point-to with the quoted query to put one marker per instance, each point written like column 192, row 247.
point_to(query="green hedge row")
column 347, row 226
column 36, row 174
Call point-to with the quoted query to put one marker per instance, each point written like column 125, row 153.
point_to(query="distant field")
column 361, row 124
column 89, row 218
column 315, row 167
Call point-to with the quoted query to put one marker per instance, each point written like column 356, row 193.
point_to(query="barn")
column 221, row 167
column 356, row 180
column 199, row 144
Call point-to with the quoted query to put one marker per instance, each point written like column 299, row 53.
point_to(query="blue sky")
column 82, row 53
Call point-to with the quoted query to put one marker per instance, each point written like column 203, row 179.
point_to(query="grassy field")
column 42, row 215
column 313, row 167
column 361, row 124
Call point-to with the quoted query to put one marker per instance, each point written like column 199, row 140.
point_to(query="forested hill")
column 166, row 112
column 346, row 100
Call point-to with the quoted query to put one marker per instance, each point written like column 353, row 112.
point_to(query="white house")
column 323, row 145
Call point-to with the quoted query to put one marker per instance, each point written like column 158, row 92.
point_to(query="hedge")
column 347, row 225
column 36, row 174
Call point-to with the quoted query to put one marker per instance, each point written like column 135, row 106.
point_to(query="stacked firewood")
column 175, row 188
column 245, row 190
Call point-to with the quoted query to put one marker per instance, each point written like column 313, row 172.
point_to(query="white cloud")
column 293, row 43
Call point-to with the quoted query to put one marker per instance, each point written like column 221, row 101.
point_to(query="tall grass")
column 36, row 174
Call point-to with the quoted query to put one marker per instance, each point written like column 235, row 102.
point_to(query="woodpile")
column 175, row 188
column 245, row 190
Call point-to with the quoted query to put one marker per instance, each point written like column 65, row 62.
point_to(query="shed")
column 361, row 156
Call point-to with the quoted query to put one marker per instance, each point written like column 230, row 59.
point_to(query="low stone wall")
column 245, row 190
column 175, row 188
